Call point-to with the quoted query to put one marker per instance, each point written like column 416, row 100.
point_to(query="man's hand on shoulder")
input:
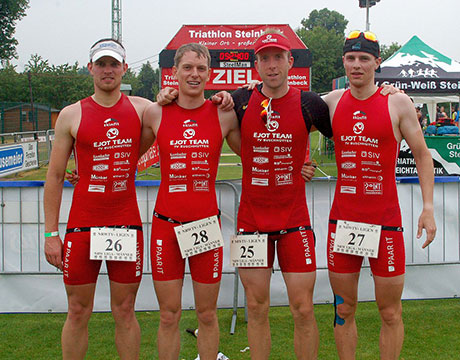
column 167, row 96
column 223, row 100
column 389, row 89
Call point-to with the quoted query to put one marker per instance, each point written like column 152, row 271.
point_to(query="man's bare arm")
column 62, row 148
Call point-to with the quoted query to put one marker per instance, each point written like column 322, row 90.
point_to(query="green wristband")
column 51, row 234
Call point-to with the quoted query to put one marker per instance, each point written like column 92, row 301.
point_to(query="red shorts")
column 390, row 262
column 80, row 270
column 295, row 251
column 167, row 262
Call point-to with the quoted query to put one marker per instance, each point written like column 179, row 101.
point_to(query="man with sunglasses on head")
column 103, row 131
column 365, row 218
column 275, row 121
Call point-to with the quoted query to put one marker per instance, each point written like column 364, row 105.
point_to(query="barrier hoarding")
column 18, row 157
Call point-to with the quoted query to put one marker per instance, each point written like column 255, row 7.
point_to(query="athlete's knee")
column 302, row 311
column 170, row 318
column 207, row 317
column 343, row 310
column 123, row 311
column 79, row 313
column 391, row 315
column 258, row 306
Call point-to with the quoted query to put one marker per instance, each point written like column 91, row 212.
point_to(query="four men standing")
column 272, row 117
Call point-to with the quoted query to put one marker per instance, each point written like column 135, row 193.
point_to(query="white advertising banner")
column 18, row 157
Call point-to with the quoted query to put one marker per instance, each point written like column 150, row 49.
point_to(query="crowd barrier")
column 29, row 284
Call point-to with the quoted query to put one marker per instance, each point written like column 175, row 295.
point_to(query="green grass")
column 326, row 164
column 432, row 329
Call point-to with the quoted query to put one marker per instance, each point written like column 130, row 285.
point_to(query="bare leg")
column 388, row 292
column 127, row 330
column 256, row 283
column 74, row 336
column 169, row 295
column 306, row 336
column 206, row 312
column 345, row 288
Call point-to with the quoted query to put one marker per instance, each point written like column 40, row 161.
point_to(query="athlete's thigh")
column 338, row 262
column 169, row 294
column 205, row 296
column 128, row 272
column 206, row 268
column 391, row 260
column 296, row 252
column 122, row 294
column 256, row 282
column 300, row 287
column 167, row 262
column 388, row 291
column 344, row 286
column 78, row 269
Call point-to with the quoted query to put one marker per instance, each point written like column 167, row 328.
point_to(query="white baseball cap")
column 107, row 47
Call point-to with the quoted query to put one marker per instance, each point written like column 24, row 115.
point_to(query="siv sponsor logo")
column 259, row 182
column 348, row 165
column 358, row 128
column 348, row 153
column 200, row 185
column 178, row 166
column 359, row 115
column 199, row 168
column 260, row 160
column 122, row 155
column 111, row 122
column 260, row 149
column 370, row 154
column 120, row 185
column 282, row 149
column 373, row 188
column 189, row 134
column 120, row 169
column 283, row 179
column 98, row 178
column 101, row 157
column 174, row 156
column 112, row 133
column 178, row 188
column 189, row 123
column 200, row 155
column 100, row 167
column 348, row 189
column 96, row 188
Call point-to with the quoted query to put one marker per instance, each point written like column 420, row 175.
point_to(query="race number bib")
column 248, row 250
column 355, row 238
column 113, row 244
column 199, row 236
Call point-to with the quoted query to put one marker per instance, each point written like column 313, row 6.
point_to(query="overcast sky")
column 63, row 30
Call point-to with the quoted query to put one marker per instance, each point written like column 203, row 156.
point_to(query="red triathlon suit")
column 106, row 151
column 273, row 191
column 366, row 152
column 190, row 142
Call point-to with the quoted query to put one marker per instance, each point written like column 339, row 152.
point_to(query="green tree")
column 387, row 50
column 330, row 20
column 10, row 12
column 148, row 78
column 323, row 33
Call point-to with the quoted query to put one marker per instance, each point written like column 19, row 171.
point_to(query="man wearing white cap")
column 103, row 131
